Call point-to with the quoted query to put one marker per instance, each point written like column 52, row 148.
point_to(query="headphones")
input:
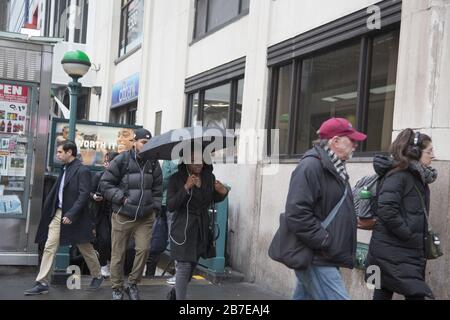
column 415, row 149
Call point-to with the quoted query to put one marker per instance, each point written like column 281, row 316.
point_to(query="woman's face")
column 427, row 155
column 196, row 163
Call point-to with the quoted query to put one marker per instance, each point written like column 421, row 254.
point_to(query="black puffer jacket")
column 314, row 191
column 397, row 244
column 127, row 177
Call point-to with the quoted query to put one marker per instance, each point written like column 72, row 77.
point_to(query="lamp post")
column 76, row 64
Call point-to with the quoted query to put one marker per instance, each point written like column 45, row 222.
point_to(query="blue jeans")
column 320, row 283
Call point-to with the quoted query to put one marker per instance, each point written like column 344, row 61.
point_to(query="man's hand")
column 220, row 188
column 66, row 220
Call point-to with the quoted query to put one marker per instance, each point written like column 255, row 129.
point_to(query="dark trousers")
column 384, row 294
column 153, row 257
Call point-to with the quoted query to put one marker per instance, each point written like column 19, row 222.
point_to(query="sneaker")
column 171, row 280
column 106, row 272
column 132, row 291
column 95, row 283
column 39, row 288
column 117, row 294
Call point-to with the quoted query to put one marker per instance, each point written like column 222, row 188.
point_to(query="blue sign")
column 125, row 91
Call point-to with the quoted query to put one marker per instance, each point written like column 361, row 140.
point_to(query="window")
column 125, row 114
column 382, row 91
column 355, row 80
column 193, row 107
column 131, row 22
column 282, row 115
column 329, row 85
column 212, row 14
column 222, row 106
column 81, row 21
column 239, row 101
column 158, row 121
column 216, row 106
column 61, row 27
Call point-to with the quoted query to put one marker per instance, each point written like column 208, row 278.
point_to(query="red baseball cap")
column 339, row 127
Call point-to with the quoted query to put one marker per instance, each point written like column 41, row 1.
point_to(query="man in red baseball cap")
column 320, row 211
column 342, row 137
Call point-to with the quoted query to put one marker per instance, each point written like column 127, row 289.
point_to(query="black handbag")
column 289, row 250
column 212, row 236
column 433, row 248
column 160, row 235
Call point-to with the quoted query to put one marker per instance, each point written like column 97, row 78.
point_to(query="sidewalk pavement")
column 14, row 281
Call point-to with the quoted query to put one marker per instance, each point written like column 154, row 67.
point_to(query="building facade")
column 286, row 65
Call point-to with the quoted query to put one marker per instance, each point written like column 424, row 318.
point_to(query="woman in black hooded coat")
column 191, row 192
column 398, row 239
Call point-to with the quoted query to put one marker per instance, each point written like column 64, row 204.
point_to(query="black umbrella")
column 170, row 145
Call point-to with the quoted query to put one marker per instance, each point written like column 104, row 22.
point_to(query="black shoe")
column 132, row 291
column 38, row 289
column 95, row 283
column 172, row 294
column 117, row 294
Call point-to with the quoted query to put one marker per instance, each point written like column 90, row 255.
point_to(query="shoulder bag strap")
column 335, row 210
column 423, row 205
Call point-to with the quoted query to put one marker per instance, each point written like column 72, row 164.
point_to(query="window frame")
column 296, row 109
column 124, row 32
column 231, row 118
column 207, row 32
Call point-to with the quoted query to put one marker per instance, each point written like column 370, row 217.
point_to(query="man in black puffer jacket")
column 134, row 187
column 317, row 186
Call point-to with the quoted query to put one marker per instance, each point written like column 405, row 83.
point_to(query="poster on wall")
column 13, row 108
column 93, row 140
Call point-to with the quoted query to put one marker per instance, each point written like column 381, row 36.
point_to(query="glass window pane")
column 17, row 150
column 123, row 33
column 282, row 117
column 194, row 110
column 328, row 89
column 216, row 106
column 382, row 92
column 221, row 11
column 135, row 24
column 245, row 4
column 240, row 94
column 84, row 25
column 158, row 122
column 200, row 19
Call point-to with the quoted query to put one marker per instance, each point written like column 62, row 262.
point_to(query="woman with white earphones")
column 191, row 192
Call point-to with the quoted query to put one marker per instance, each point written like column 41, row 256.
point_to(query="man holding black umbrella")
column 134, row 187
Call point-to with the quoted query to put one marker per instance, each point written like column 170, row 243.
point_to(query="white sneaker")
column 171, row 280
column 106, row 272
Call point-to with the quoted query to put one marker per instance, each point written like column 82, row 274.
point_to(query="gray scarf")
column 428, row 174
